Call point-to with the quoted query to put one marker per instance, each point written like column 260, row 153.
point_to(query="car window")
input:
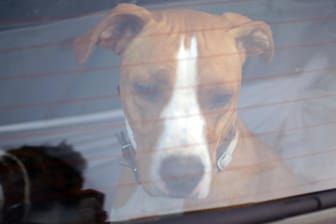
column 177, row 106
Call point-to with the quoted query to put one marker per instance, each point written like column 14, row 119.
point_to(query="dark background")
column 15, row 13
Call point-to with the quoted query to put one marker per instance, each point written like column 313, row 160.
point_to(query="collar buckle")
column 128, row 154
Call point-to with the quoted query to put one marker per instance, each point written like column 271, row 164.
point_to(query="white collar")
column 225, row 158
column 130, row 134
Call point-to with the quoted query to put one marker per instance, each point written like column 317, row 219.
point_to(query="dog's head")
column 180, row 83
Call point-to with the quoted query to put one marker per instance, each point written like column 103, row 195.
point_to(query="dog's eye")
column 147, row 91
column 220, row 100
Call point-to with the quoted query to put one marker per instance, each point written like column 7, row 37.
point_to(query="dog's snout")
column 181, row 174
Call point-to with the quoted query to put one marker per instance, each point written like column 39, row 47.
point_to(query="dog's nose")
column 181, row 174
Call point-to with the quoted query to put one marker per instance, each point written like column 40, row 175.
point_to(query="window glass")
column 223, row 102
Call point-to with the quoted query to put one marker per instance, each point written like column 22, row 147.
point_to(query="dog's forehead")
column 170, row 25
column 156, row 48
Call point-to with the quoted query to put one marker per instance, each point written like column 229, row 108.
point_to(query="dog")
column 180, row 79
column 43, row 184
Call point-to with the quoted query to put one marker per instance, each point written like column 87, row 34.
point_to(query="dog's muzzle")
column 181, row 175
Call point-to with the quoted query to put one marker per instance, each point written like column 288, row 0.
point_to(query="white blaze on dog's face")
column 183, row 134
column 179, row 86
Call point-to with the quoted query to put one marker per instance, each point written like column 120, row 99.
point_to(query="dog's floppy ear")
column 252, row 37
column 115, row 32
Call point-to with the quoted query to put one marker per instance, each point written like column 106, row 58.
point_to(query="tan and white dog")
column 180, row 83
